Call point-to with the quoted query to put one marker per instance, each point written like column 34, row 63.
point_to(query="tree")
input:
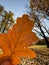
column 15, row 42
column 39, row 11
column 6, row 19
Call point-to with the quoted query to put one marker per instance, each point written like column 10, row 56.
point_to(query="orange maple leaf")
column 16, row 41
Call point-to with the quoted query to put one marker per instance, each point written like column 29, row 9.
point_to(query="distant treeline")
column 41, row 42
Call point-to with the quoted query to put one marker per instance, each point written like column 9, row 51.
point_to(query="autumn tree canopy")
column 6, row 19
column 15, row 42
column 39, row 12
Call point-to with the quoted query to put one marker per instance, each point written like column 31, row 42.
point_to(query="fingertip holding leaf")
column 6, row 63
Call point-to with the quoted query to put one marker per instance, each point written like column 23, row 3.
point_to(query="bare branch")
column 45, row 28
column 38, row 32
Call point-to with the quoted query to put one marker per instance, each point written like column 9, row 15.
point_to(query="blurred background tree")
column 39, row 12
column 6, row 20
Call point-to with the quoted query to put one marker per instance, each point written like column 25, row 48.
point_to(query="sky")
column 18, row 7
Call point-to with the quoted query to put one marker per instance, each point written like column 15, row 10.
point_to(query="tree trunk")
column 46, row 40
